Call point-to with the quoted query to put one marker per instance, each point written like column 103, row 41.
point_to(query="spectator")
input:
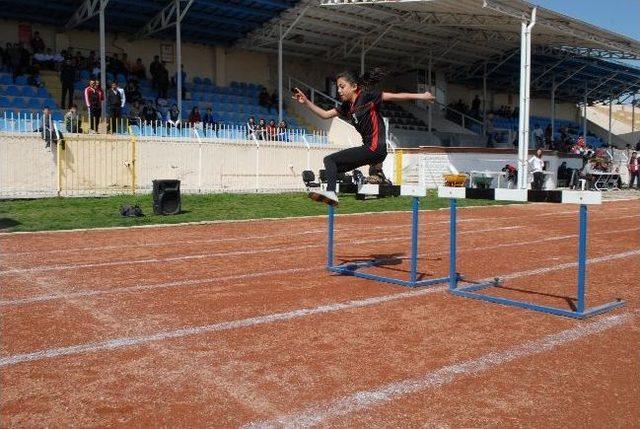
column 475, row 107
column 163, row 80
column 638, row 146
column 115, row 101
column 537, row 168
column 149, row 113
column 634, row 170
column 154, row 69
column 548, row 137
column 135, row 113
column 282, row 131
column 511, row 175
column 194, row 116
column 47, row 129
column 264, row 99
column 132, row 91
column 72, row 120
column 538, row 135
column 174, row 117
column 93, row 97
column 271, row 130
column 489, row 129
column 138, row 70
column 67, row 79
column 37, row 44
column 261, row 129
column 34, row 78
column 207, row 118
column 252, row 128
column 564, row 175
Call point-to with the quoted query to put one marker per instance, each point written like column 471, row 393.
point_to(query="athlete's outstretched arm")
column 302, row 98
column 404, row 96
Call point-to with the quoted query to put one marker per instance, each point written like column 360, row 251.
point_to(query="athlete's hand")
column 300, row 96
column 428, row 97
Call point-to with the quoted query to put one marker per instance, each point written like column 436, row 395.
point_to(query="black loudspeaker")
column 166, row 197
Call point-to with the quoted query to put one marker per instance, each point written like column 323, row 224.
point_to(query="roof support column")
column 525, row 94
column 178, row 58
column 553, row 108
column 103, row 55
column 280, row 39
column 633, row 115
column 431, row 90
column 362, row 54
column 584, row 112
column 610, row 119
column 484, row 91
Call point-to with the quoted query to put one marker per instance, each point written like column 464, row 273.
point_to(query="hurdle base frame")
column 470, row 290
column 351, row 268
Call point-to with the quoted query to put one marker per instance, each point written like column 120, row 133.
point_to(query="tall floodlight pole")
column 525, row 83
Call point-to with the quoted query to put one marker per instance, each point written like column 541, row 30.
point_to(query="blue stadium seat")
column 122, row 79
column 5, row 101
column 35, row 103
column 21, row 80
column 84, row 75
column 29, row 91
column 197, row 80
column 207, row 81
column 13, row 91
column 18, row 103
column 6, row 79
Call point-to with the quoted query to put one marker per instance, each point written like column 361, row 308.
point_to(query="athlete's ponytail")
column 365, row 80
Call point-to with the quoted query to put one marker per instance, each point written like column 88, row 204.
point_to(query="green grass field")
column 71, row 213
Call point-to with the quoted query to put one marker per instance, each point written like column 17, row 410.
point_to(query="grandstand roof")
column 459, row 36
column 210, row 22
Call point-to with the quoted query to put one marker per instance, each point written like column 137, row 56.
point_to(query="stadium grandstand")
column 240, row 60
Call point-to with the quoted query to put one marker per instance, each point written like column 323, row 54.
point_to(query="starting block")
column 353, row 268
column 582, row 198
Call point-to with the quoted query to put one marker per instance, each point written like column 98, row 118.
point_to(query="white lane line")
column 320, row 413
column 197, row 282
column 281, row 234
column 270, row 318
column 231, row 253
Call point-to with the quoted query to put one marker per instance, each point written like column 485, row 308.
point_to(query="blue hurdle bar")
column 351, row 268
column 470, row 290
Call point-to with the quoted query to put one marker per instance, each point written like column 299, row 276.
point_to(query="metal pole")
column 414, row 239
column 362, row 58
column 633, row 115
column 521, row 139
column 453, row 275
column 280, row 75
column 582, row 257
column 610, row 119
column 553, row 108
column 430, row 106
column 103, row 56
column 584, row 112
column 484, row 91
column 527, row 115
column 178, row 58
column 330, row 240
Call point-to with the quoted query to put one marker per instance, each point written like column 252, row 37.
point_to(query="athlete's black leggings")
column 347, row 160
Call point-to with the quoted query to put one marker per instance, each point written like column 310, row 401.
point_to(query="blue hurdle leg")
column 582, row 257
column 453, row 275
column 330, row 240
column 414, row 240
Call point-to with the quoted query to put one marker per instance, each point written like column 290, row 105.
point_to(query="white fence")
column 94, row 164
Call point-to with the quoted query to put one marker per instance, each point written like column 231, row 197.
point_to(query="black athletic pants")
column 347, row 160
column 538, row 181
column 94, row 117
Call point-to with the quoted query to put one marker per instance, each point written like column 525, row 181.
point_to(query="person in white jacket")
column 537, row 167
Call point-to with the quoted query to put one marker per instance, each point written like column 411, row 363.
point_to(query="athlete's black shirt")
column 365, row 116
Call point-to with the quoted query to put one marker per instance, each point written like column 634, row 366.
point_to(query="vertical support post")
column 584, row 112
column 134, row 178
column 178, row 58
column 453, row 275
column 553, row 108
column 58, row 167
column 431, row 90
column 103, row 56
column 610, row 120
column 633, row 115
column 582, row 257
column 330, row 238
column 280, row 74
column 522, row 144
column 362, row 58
column 414, row 240
column 484, row 91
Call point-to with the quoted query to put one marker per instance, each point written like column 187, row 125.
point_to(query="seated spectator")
column 47, row 128
column 564, row 175
column 34, row 78
column 132, row 91
column 271, row 130
column 45, row 60
column 261, row 130
column 173, row 119
column 37, row 44
column 72, row 120
column 149, row 114
column 135, row 114
column 194, row 116
column 252, row 128
column 264, row 100
column 138, row 70
column 634, row 170
column 207, row 118
column 282, row 131
column 538, row 135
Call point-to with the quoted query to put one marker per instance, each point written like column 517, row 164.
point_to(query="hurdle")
column 582, row 198
column 353, row 268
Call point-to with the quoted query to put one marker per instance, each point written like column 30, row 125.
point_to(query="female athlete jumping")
column 361, row 107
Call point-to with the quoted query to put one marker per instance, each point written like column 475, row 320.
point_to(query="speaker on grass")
column 166, row 197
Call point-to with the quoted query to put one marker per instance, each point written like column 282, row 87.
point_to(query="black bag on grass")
column 131, row 211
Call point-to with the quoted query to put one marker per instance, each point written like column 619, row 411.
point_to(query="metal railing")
column 315, row 95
